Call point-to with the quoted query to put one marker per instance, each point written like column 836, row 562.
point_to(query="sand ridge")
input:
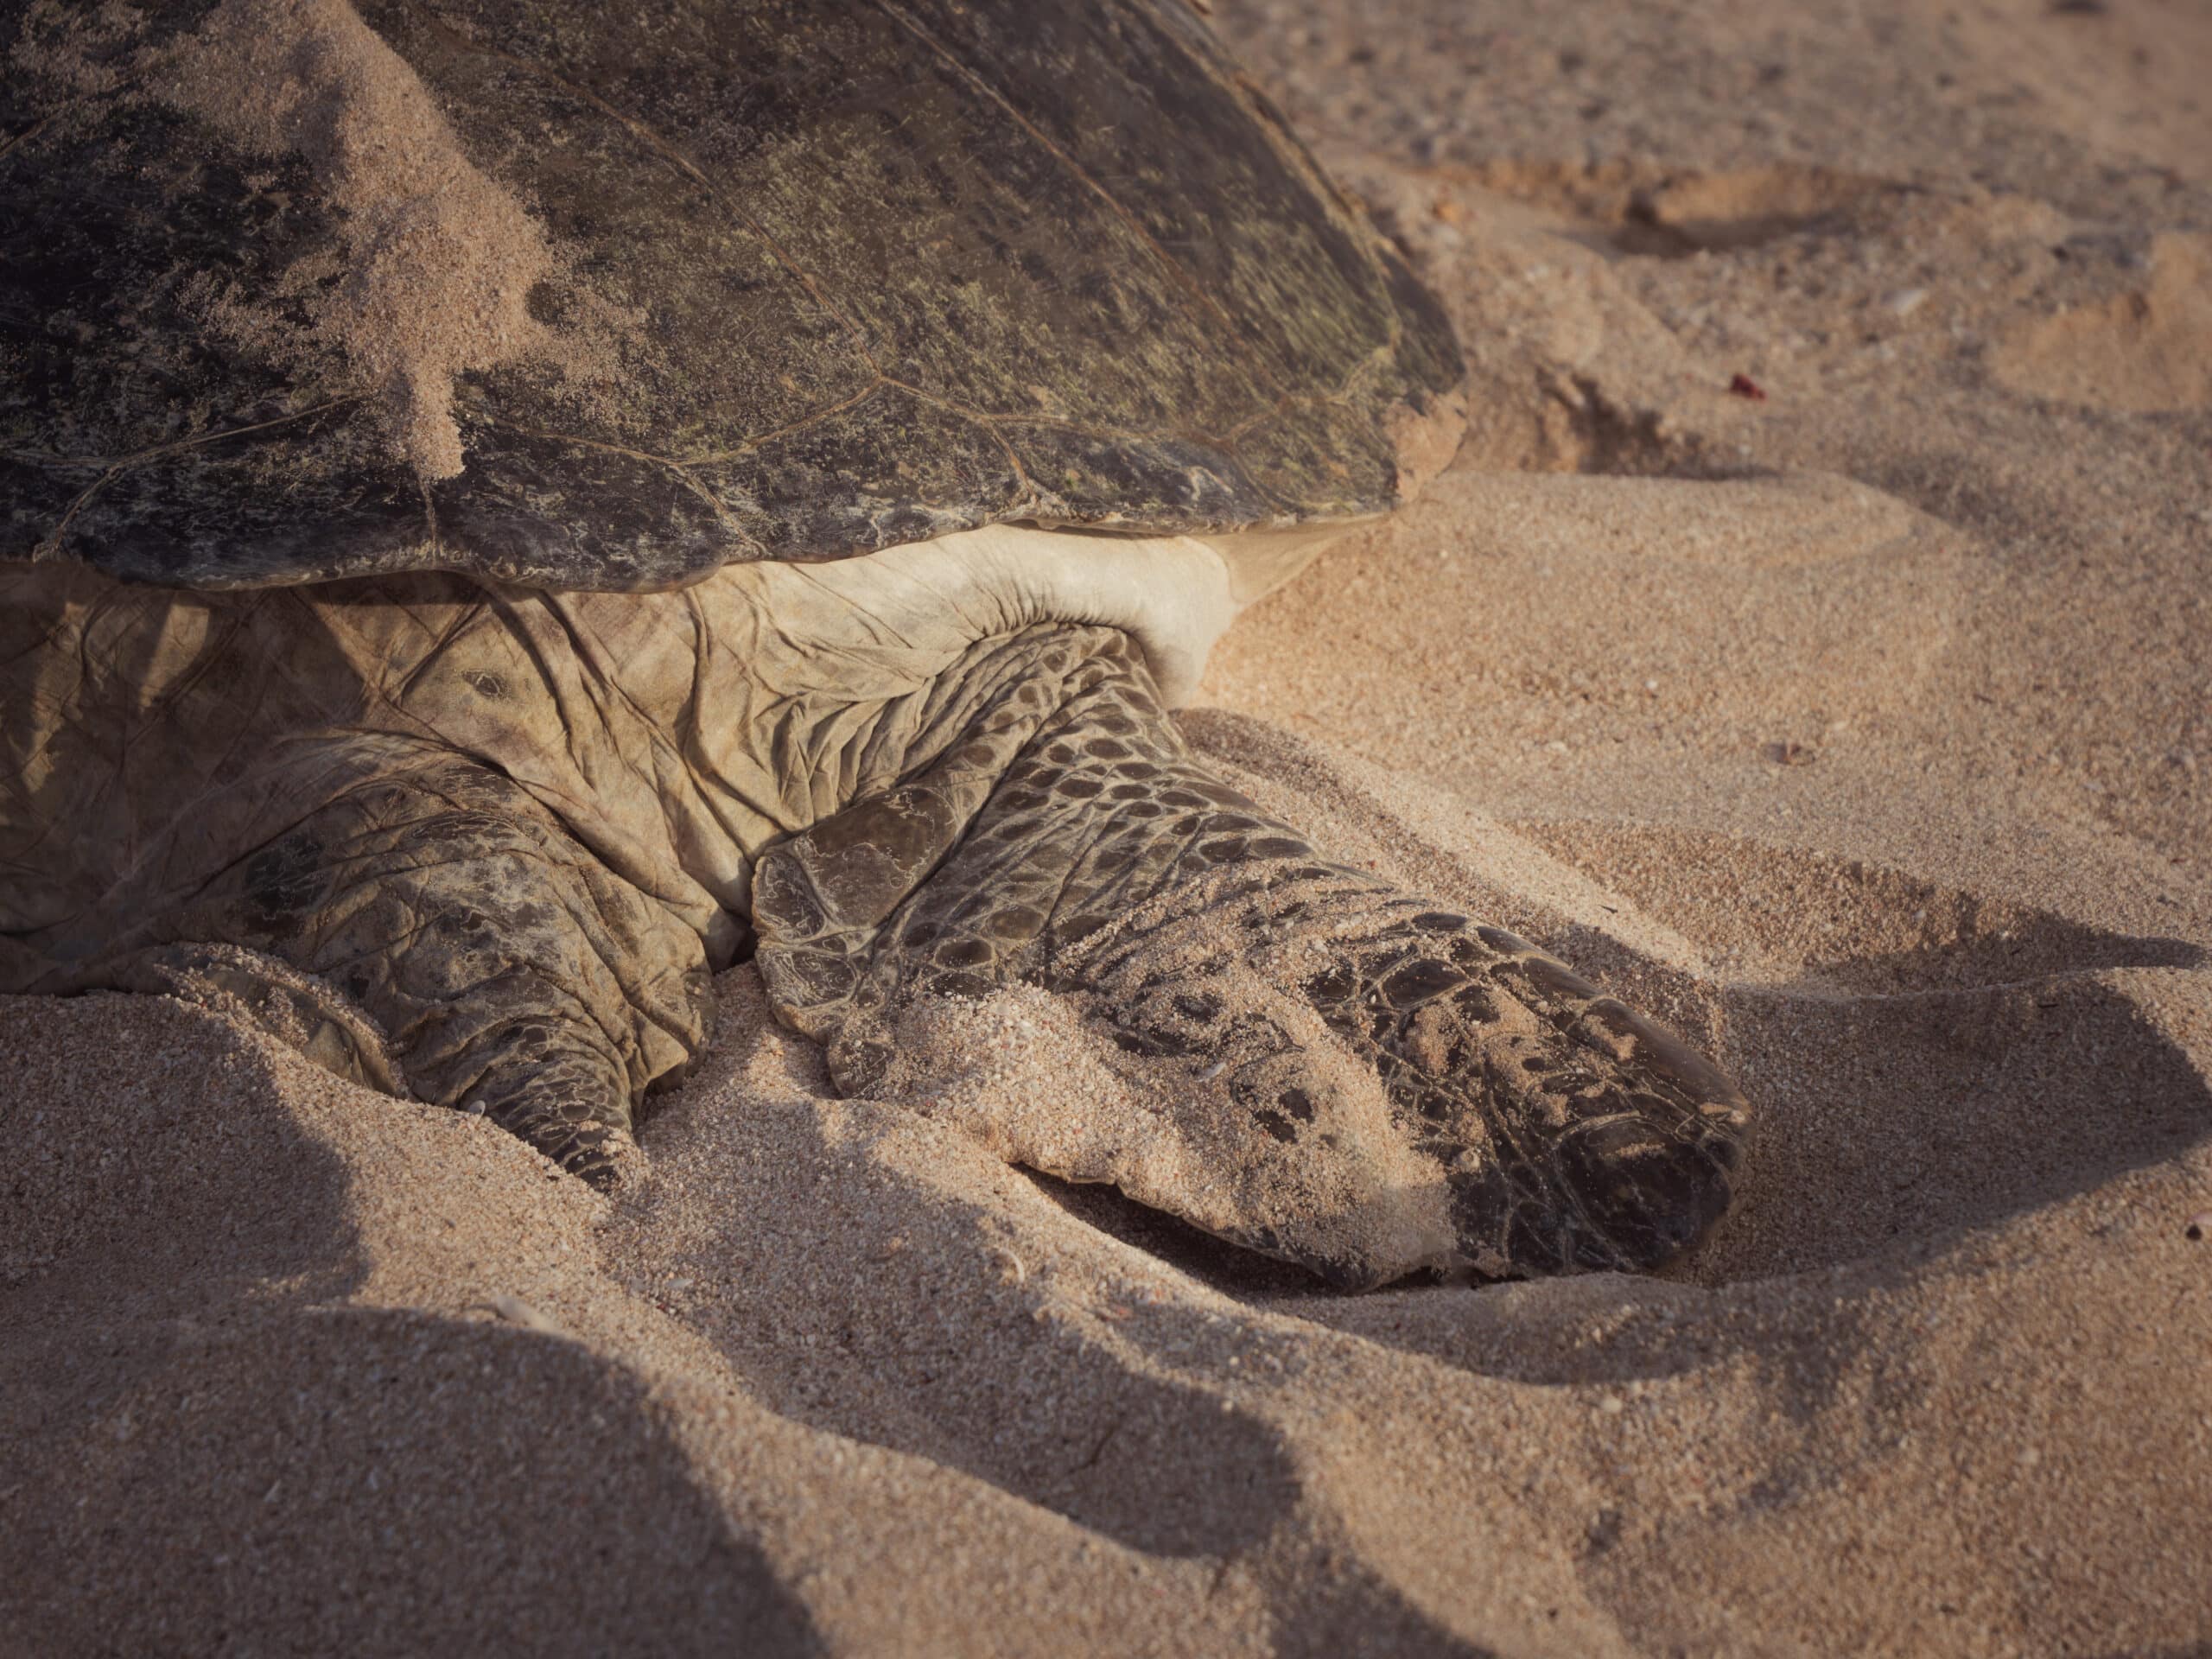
column 1860, row 731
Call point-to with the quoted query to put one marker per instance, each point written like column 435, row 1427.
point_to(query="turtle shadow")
column 202, row 1444
column 1838, row 923
column 349, row 1480
column 1921, row 1060
column 1891, row 1119
column 2022, row 951
column 1903, row 1099
column 1232, row 1269
column 2039, row 947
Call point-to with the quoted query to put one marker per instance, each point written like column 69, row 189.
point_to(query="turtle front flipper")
column 1357, row 1079
column 511, row 972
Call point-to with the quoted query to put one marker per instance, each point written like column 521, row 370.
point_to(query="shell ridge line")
column 25, row 136
column 675, row 157
column 173, row 446
column 1183, row 278
column 49, row 545
column 669, row 152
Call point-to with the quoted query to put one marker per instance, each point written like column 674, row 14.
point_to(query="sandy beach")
column 1812, row 643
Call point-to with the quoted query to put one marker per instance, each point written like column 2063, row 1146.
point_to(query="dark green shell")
column 895, row 268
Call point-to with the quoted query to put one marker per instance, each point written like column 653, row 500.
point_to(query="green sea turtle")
column 512, row 505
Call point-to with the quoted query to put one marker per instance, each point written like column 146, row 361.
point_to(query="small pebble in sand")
column 1742, row 385
column 515, row 1311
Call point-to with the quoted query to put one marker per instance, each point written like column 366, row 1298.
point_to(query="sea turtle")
column 513, row 503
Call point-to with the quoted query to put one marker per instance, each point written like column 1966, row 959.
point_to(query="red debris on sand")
column 1744, row 387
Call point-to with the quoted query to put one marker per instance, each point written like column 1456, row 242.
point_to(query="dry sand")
column 1862, row 729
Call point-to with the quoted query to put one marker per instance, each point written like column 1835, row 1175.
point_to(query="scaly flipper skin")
column 1107, row 863
column 511, row 973
column 516, row 830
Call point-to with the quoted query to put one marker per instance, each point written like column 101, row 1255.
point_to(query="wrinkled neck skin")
column 155, row 736
column 776, row 694
column 819, row 684
column 810, row 686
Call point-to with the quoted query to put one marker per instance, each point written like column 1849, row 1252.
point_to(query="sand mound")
column 1860, row 731
column 296, row 1362
column 2142, row 351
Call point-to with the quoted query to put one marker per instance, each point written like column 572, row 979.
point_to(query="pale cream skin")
column 491, row 844
column 676, row 735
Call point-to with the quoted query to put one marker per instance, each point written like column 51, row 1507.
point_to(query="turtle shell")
column 604, row 297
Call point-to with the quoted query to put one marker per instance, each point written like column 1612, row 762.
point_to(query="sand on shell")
column 436, row 260
column 1861, row 731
